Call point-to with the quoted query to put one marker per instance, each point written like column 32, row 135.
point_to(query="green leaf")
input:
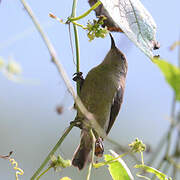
column 171, row 74
column 152, row 170
column 118, row 168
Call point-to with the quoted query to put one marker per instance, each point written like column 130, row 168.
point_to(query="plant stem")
column 77, row 56
column 80, row 25
column 73, row 14
column 158, row 149
column 43, row 172
column 178, row 120
column 51, row 49
column 97, row 165
column 52, row 151
column 92, row 156
column 86, row 13
column 171, row 126
column 142, row 158
column 179, row 54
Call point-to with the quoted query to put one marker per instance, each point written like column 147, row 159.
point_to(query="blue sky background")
column 29, row 124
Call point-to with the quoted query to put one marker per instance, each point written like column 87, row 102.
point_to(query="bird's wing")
column 115, row 107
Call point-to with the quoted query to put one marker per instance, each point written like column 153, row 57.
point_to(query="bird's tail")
column 81, row 155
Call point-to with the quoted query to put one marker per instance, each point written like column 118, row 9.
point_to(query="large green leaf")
column 135, row 21
column 171, row 74
column 118, row 169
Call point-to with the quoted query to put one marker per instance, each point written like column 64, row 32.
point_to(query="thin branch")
column 177, row 145
column 50, row 47
column 52, row 151
column 44, row 172
column 179, row 54
column 86, row 13
column 158, row 149
column 173, row 108
column 169, row 134
column 171, row 160
column 73, row 14
column 92, row 155
column 77, row 56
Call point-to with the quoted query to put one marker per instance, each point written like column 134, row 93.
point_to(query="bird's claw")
column 76, row 123
column 78, row 76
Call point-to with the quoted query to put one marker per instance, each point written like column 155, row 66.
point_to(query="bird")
column 101, row 92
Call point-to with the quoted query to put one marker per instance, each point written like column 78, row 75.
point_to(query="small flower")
column 95, row 29
column 59, row 162
column 137, row 146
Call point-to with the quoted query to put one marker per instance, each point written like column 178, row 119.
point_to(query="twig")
column 178, row 120
column 52, row 151
column 44, row 172
column 179, row 54
column 50, row 47
column 158, row 149
column 92, row 156
column 171, row 160
column 76, row 44
column 173, row 108
column 73, row 18
column 168, row 136
column 166, row 167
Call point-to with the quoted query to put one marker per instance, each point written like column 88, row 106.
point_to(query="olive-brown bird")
column 102, row 94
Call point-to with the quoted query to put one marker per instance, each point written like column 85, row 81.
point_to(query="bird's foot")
column 78, row 77
column 76, row 123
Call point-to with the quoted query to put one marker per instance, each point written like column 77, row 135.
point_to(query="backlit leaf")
column 135, row 21
column 118, row 169
column 171, row 74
